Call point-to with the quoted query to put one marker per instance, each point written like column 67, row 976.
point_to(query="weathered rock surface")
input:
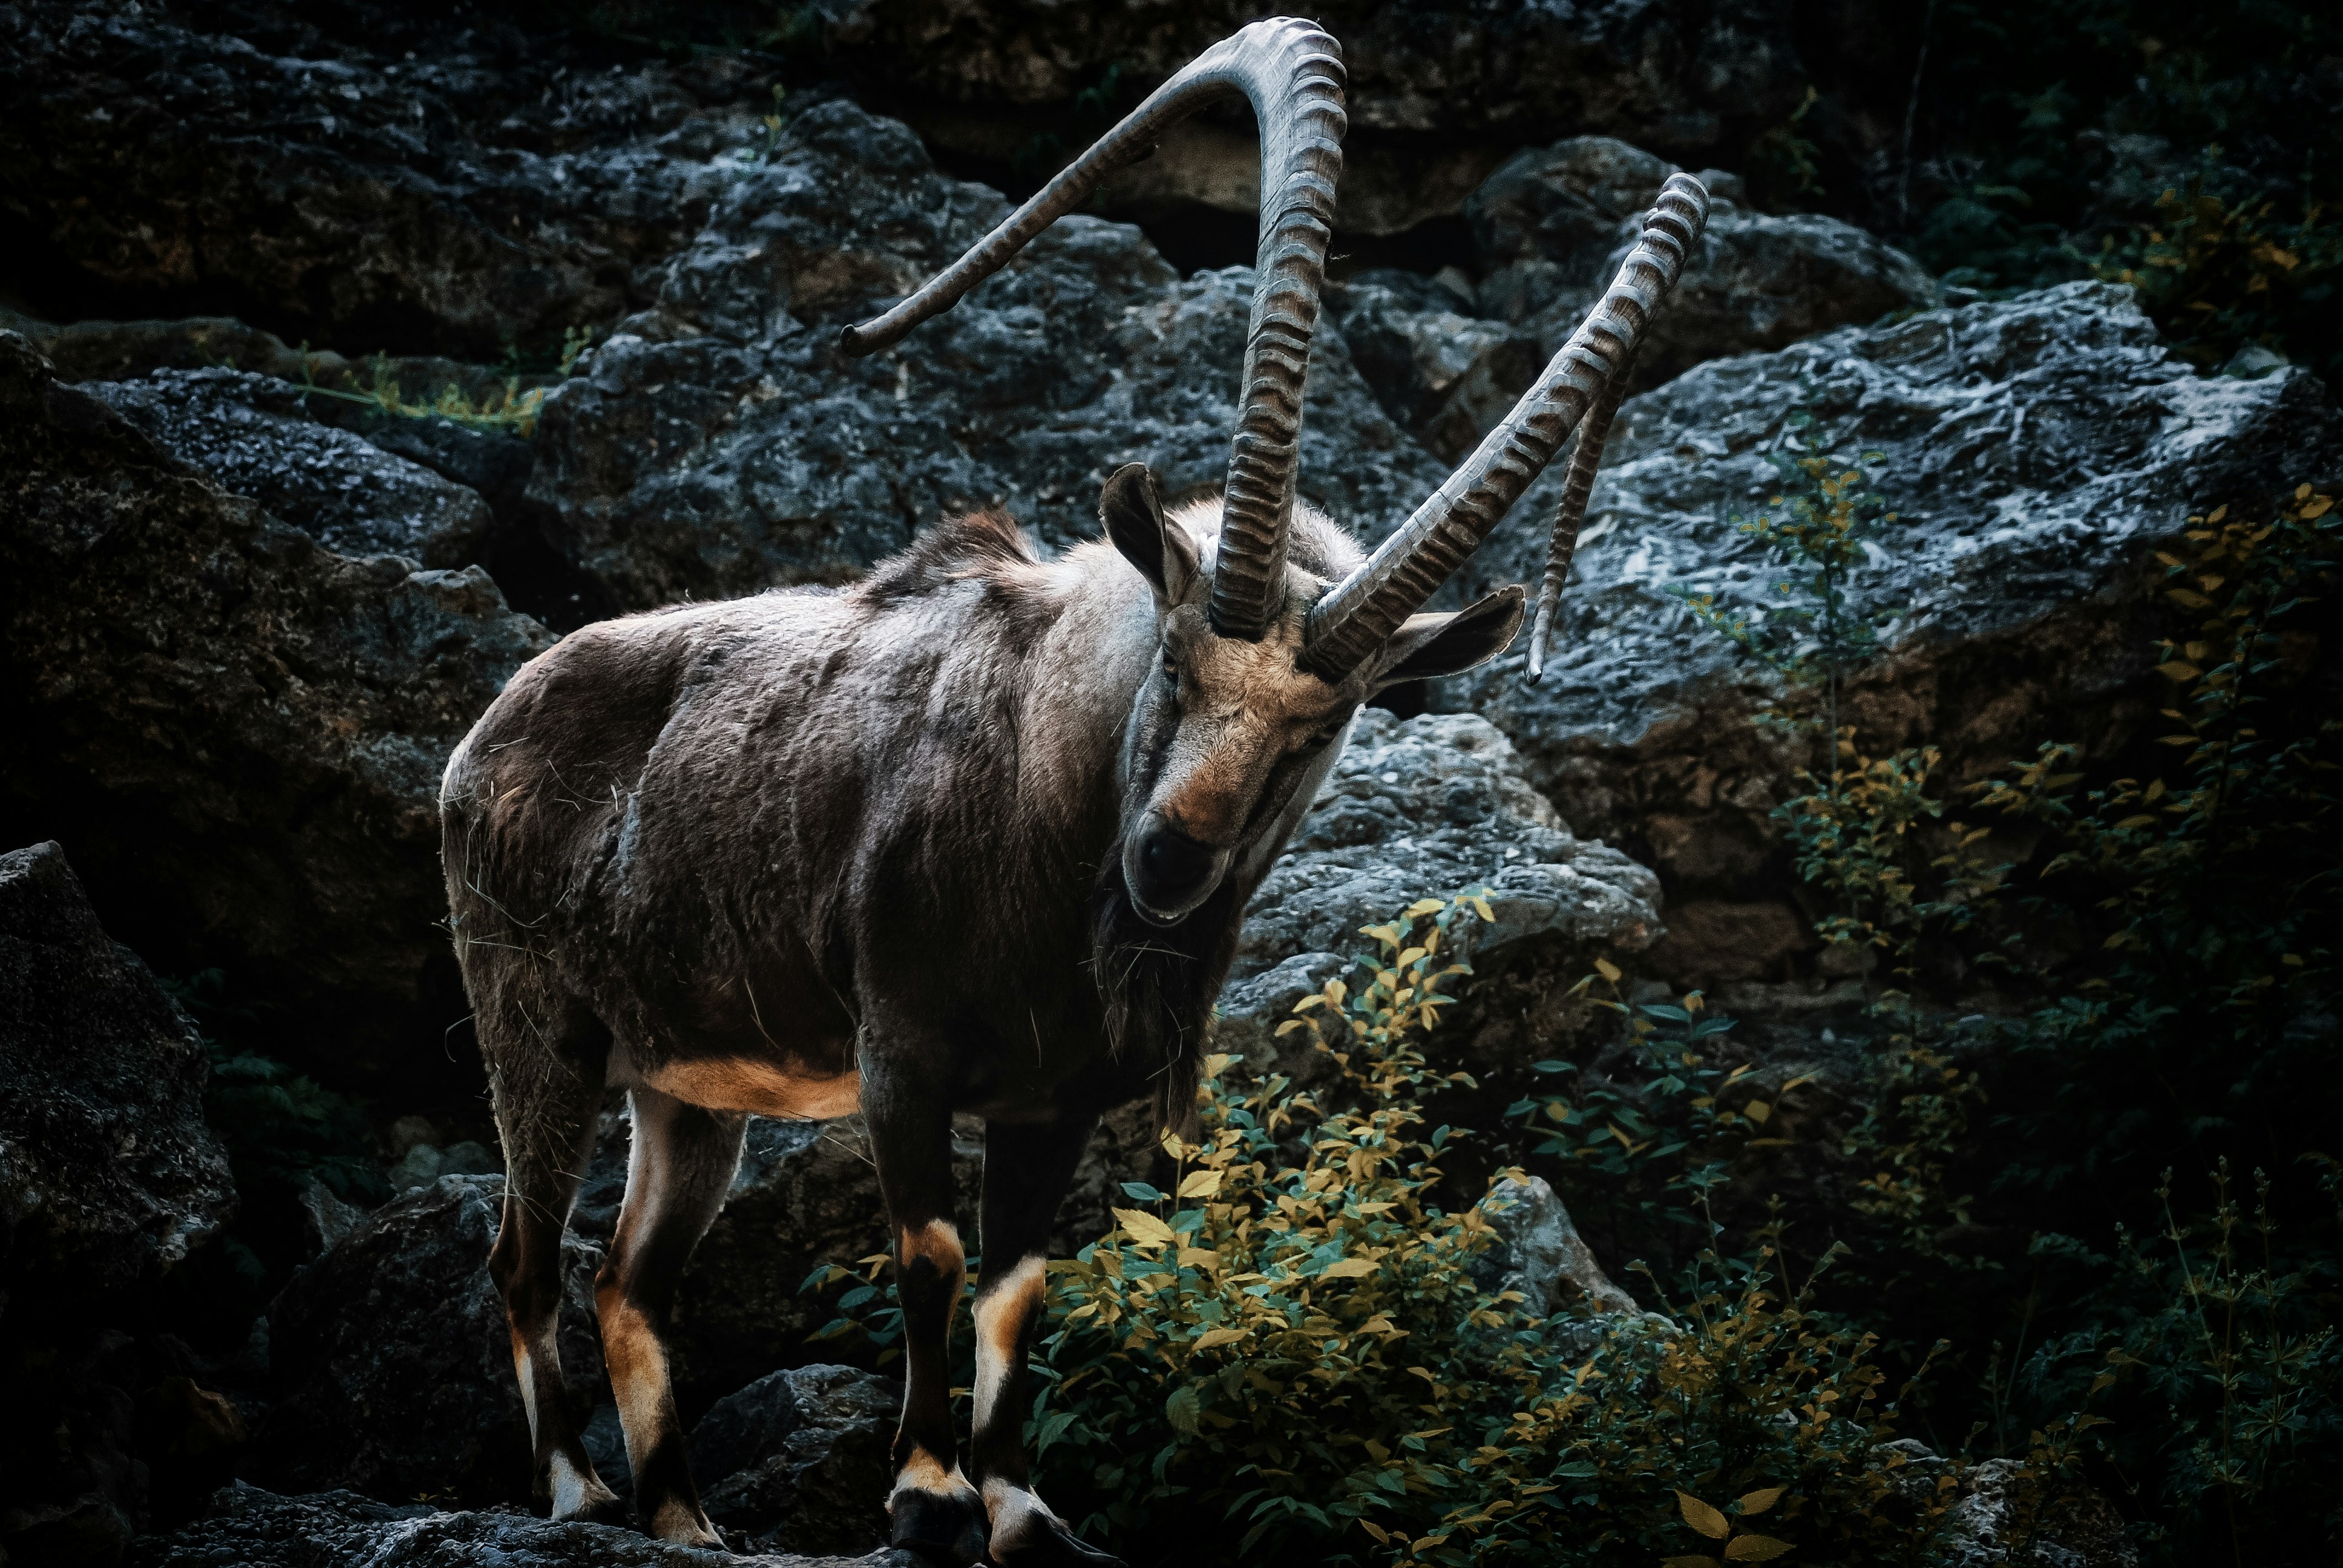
column 292, row 169
column 721, row 444
column 1668, row 76
column 256, row 1529
column 238, row 733
column 250, row 435
column 107, row 1178
column 107, row 1172
column 1543, row 1256
column 392, row 1363
column 799, row 1460
column 2034, row 451
column 1436, row 367
column 1428, row 808
column 1551, row 225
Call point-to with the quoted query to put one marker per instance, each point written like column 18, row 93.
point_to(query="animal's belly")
column 759, row 1088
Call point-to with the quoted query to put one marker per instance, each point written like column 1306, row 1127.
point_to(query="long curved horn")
column 1359, row 613
column 1578, row 483
column 1293, row 74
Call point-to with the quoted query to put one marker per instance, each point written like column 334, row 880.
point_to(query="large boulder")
column 107, row 1178
column 295, row 170
column 107, row 1172
column 1431, row 807
column 2036, row 452
column 722, row 443
column 799, row 1460
column 1436, row 367
column 391, row 1362
column 250, row 435
column 238, row 733
column 1552, row 224
column 255, row 1528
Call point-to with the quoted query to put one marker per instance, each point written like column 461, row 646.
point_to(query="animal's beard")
column 1156, row 987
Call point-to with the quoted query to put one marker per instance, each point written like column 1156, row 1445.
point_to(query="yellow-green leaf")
column 1221, row 1336
column 1754, row 1549
column 1202, row 1184
column 1348, row 1268
column 1708, row 1521
column 1145, row 1229
column 1607, row 970
column 1758, row 1502
column 2178, row 669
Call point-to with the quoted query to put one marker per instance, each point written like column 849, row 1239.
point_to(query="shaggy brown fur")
column 730, row 855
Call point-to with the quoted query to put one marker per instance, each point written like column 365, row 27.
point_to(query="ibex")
column 972, row 835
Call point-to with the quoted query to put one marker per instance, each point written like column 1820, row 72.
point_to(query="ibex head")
column 1264, row 660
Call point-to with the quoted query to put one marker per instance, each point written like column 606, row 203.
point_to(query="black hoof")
column 945, row 1526
column 1055, row 1547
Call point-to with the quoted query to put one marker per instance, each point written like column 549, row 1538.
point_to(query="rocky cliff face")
column 240, row 731
column 2034, row 452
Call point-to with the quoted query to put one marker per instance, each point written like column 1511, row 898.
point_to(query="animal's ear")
column 1161, row 550
column 1428, row 646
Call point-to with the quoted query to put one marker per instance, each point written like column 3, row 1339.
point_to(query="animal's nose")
column 1173, row 864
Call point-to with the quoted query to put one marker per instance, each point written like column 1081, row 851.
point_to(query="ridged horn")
column 1291, row 72
column 1562, row 542
column 1359, row 613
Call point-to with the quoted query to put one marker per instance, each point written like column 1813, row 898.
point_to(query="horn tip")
column 854, row 342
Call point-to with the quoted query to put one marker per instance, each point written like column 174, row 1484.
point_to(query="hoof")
column 603, row 1510
column 944, row 1526
column 1054, row 1547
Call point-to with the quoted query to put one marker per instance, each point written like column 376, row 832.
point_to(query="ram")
column 972, row 835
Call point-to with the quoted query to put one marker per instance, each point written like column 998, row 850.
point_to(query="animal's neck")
column 1086, row 676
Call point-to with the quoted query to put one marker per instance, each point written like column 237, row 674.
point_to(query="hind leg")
column 546, row 1104
column 678, row 1171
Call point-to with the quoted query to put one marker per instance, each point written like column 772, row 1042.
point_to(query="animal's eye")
column 1171, row 674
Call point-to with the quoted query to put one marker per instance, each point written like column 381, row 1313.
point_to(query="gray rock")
column 322, row 185
column 326, row 1219
column 2035, row 450
column 1427, row 807
column 1989, row 1525
column 1438, row 72
column 1546, row 1258
column 1443, row 372
column 108, row 1177
column 1553, row 224
column 240, row 733
column 740, row 450
column 249, row 436
column 256, row 1529
column 107, row 1172
column 391, row 1362
column 799, row 1461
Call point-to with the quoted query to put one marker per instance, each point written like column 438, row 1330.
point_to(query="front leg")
column 933, row 1508
column 1027, row 1170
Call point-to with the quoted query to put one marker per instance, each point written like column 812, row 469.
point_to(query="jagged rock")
column 256, row 1529
column 1991, row 1525
column 107, row 1172
column 2035, row 450
column 799, row 1461
column 391, row 1362
column 1427, row 807
column 293, row 168
column 1546, row 1258
column 326, row 1219
column 1437, row 368
column 250, row 435
column 721, row 444
column 1663, row 75
column 1550, row 226
column 238, row 733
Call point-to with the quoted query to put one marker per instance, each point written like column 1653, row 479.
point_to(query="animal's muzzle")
column 1171, row 873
